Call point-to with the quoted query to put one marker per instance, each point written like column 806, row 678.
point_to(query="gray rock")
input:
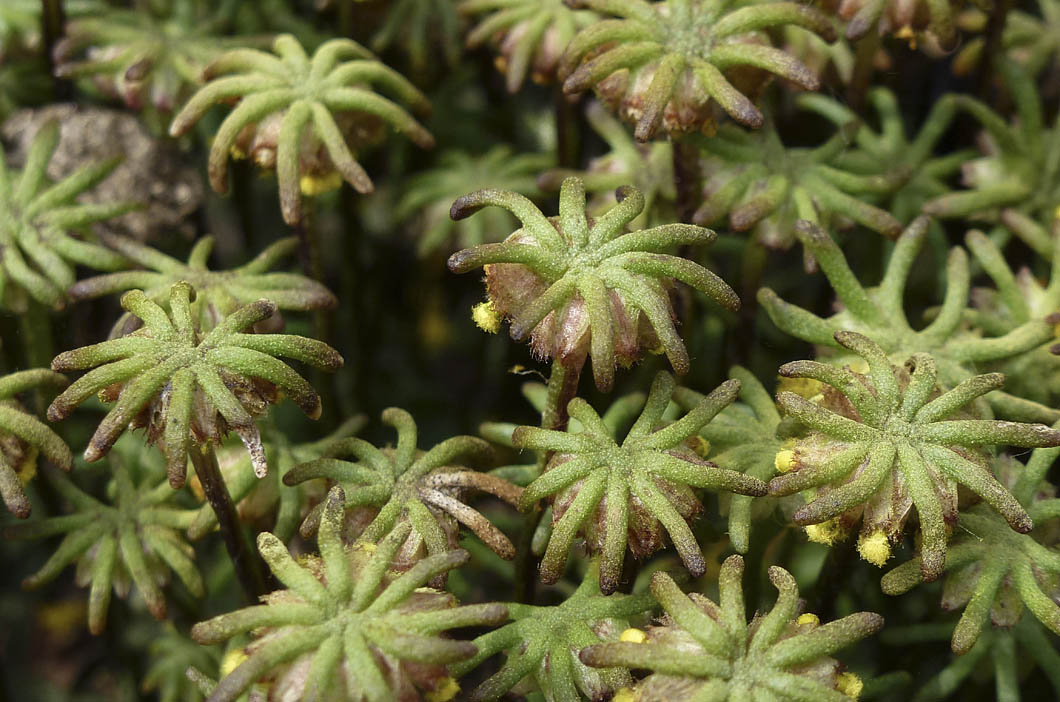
column 151, row 173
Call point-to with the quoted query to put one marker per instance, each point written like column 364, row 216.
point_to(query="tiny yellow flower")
column 803, row 387
column 785, row 461
column 808, row 619
column 850, row 685
column 313, row 185
column 908, row 34
column 28, row 469
column 875, row 548
column 826, row 533
column 485, row 315
column 445, row 692
column 633, row 635
column 232, row 660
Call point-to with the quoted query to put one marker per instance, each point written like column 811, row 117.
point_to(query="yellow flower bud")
column 486, row 317
column 626, row 694
column 826, row 533
column 906, row 32
column 803, row 387
column 785, row 461
column 27, row 470
column 232, row 660
column 850, row 685
column 312, row 185
column 875, row 548
column 808, row 619
column 445, row 692
column 633, row 636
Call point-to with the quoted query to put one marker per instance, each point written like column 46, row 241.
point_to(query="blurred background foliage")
column 403, row 322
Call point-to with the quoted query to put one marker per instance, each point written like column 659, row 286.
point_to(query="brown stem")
column 309, row 256
column 833, row 576
column 53, row 24
column 246, row 563
column 562, row 387
column 35, row 326
column 346, row 18
column 995, row 27
column 686, row 178
column 568, row 130
column 864, row 59
column 630, row 570
column 525, row 577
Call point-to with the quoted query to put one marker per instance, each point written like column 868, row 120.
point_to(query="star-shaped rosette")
column 217, row 293
column 879, row 313
column 134, row 539
column 628, row 494
column 884, row 443
column 993, row 573
column 186, row 386
column 44, row 230
column 542, row 644
column 661, row 64
column 406, row 485
column 344, row 627
column 583, row 286
column 295, row 113
column 714, row 653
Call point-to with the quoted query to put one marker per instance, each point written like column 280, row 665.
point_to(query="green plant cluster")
column 788, row 272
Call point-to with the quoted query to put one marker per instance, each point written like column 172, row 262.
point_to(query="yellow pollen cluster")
column 875, row 548
column 485, row 315
column 808, row 619
column 906, row 32
column 785, row 461
column 850, row 685
column 232, row 660
column 803, row 387
column 445, row 692
column 633, row 636
column 313, row 185
column 624, row 695
column 28, row 469
column 826, row 533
